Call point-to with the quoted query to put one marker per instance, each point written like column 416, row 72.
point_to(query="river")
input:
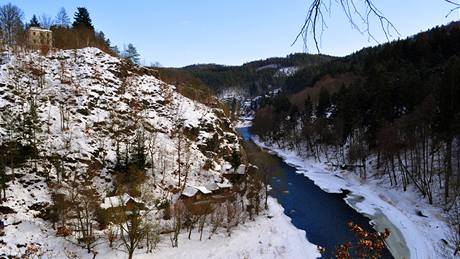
column 324, row 216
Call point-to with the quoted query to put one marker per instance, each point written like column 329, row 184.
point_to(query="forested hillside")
column 396, row 115
column 254, row 77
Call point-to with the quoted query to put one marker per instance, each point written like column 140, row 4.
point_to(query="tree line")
column 252, row 76
column 66, row 34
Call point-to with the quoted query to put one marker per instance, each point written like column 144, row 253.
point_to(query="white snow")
column 388, row 207
column 270, row 236
column 85, row 107
column 287, row 71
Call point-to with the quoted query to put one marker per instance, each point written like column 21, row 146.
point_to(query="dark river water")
column 324, row 216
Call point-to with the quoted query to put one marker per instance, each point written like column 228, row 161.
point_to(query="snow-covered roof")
column 117, row 201
column 224, row 185
column 212, row 186
column 39, row 29
column 189, row 191
column 226, row 167
column 241, row 169
column 202, row 189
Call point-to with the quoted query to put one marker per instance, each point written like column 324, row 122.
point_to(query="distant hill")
column 416, row 62
column 254, row 77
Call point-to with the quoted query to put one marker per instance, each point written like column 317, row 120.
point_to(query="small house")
column 38, row 38
column 122, row 201
column 195, row 192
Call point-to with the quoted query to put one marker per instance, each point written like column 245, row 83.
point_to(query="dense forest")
column 254, row 77
column 401, row 111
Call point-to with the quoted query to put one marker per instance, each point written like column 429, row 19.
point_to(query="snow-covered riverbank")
column 413, row 236
column 270, row 236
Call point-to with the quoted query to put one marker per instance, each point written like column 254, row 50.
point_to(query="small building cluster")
column 199, row 192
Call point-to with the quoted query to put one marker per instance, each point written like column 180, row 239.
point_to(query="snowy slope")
column 99, row 107
column 91, row 106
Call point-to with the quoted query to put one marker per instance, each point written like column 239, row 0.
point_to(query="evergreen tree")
column 324, row 102
column 236, row 159
column 131, row 54
column 82, row 19
column 138, row 156
column 308, row 108
column 115, row 49
column 34, row 22
column 448, row 105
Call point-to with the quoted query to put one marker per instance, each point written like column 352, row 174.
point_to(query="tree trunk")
column 448, row 171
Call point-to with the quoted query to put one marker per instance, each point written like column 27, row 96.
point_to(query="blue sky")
column 183, row 32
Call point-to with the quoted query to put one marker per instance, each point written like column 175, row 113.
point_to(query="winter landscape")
column 170, row 130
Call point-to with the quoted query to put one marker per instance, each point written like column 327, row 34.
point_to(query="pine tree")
column 323, row 103
column 139, row 155
column 308, row 108
column 82, row 19
column 448, row 105
column 115, row 49
column 34, row 22
column 236, row 159
column 131, row 54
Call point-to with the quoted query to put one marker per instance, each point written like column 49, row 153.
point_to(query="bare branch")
column 359, row 13
column 455, row 8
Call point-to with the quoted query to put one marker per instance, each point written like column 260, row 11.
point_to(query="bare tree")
column 217, row 218
column 454, row 234
column 361, row 14
column 182, row 146
column 233, row 215
column 62, row 19
column 46, row 21
column 10, row 23
column 152, row 236
column 178, row 212
column 85, row 206
column 133, row 230
column 111, row 234
column 152, row 150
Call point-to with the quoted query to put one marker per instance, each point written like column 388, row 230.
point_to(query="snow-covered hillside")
column 73, row 118
column 86, row 111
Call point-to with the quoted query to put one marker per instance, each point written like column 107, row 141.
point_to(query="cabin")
column 38, row 38
column 195, row 192
column 122, row 201
column 235, row 174
column 210, row 193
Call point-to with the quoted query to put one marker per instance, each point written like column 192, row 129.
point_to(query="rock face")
column 78, row 114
